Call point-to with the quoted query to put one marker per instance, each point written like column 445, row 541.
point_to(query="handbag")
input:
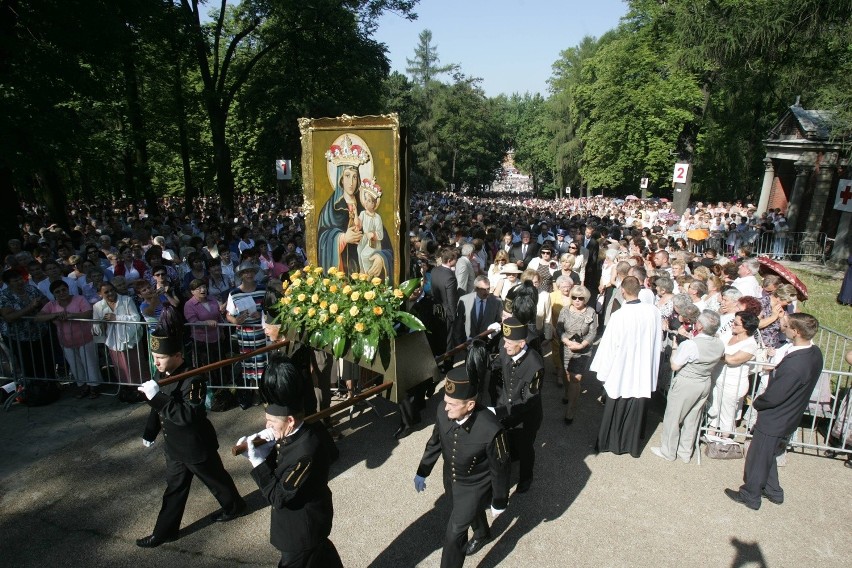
column 723, row 451
column 762, row 353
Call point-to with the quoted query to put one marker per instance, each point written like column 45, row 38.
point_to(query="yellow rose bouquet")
column 330, row 309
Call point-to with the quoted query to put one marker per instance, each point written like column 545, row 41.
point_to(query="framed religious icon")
column 355, row 206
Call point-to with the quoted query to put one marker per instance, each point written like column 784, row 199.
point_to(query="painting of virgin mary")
column 339, row 229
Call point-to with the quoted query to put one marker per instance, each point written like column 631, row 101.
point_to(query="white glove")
column 493, row 411
column 256, row 454
column 419, row 483
column 496, row 512
column 149, row 389
column 147, row 443
column 495, row 328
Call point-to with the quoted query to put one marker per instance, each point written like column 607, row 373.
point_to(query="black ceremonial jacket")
column 178, row 410
column 476, row 458
column 519, row 400
column 294, row 480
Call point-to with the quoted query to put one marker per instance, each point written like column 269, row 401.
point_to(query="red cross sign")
column 844, row 195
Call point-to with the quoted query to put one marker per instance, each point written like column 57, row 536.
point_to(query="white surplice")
column 628, row 356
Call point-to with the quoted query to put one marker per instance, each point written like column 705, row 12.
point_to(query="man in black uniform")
column 291, row 470
column 476, row 463
column 189, row 439
column 519, row 398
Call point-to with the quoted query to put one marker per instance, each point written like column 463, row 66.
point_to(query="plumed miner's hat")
column 463, row 382
column 282, row 387
column 167, row 338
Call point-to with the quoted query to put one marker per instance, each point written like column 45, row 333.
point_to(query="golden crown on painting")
column 347, row 153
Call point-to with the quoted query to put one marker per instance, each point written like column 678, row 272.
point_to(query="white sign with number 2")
column 680, row 171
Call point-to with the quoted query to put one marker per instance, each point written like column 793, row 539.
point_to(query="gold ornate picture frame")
column 354, row 196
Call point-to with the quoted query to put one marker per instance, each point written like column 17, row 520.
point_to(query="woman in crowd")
column 665, row 288
column 566, row 268
column 128, row 354
column 243, row 309
column 713, row 298
column 510, row 274
column 75, row 337
column 774, row 307
column 495, row 277
column 576, row 329
column 218, row 285
column 732, row 383
column 126, row 265
column 29, row 339
column 197, row 269
column 581, row 257
column 204, row 315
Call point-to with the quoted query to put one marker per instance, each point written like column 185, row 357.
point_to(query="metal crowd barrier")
column 826, row 423
column 95, row 364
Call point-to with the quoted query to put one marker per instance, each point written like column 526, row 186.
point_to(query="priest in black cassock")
column 627, row 362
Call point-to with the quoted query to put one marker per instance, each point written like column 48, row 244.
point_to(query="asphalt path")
column 77, row 488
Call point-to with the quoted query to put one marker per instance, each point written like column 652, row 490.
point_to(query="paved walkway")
column 77, row 488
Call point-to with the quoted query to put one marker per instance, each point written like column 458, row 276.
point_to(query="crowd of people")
column 627, row 292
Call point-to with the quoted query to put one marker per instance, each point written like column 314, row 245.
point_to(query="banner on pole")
column 283, row 170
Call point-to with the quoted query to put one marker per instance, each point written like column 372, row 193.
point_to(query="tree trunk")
column 11, row 207
column 54, row 194
column 222, row 157
column 188, row 187
column 137, row 131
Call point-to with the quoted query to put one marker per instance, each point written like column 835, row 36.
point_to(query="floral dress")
column 579, row 327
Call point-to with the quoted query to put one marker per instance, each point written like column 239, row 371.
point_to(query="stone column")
column 821, row 195
column 803, row 172
column 842, row 242
column 766, row 188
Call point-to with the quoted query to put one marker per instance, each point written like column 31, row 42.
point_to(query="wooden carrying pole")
column 219, row 364
column 258, row 441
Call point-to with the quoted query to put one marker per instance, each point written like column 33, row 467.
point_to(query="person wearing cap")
column 519, row 400
column 627, row 363
column 291, row 470
column 561, row 245
column 476, row 460
column 511, row 278
column 189, row 441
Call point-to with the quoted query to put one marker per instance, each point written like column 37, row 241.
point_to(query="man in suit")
column 189, row 441
column 465, row 270
column 525, row 251
column 445, row 292
column 476, row 311
column 779, row 412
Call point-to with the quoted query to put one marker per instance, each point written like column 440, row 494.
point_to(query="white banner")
column 282, row 169
column 844, row 195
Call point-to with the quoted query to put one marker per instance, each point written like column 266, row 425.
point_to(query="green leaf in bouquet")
column 408, row 286
column 371, row 344
column 411, row 321
column 338, row 346
column 317, row 339
column 358, row 347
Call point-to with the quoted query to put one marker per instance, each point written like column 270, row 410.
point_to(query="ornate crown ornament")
column 371, row 188
column 347, row 153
